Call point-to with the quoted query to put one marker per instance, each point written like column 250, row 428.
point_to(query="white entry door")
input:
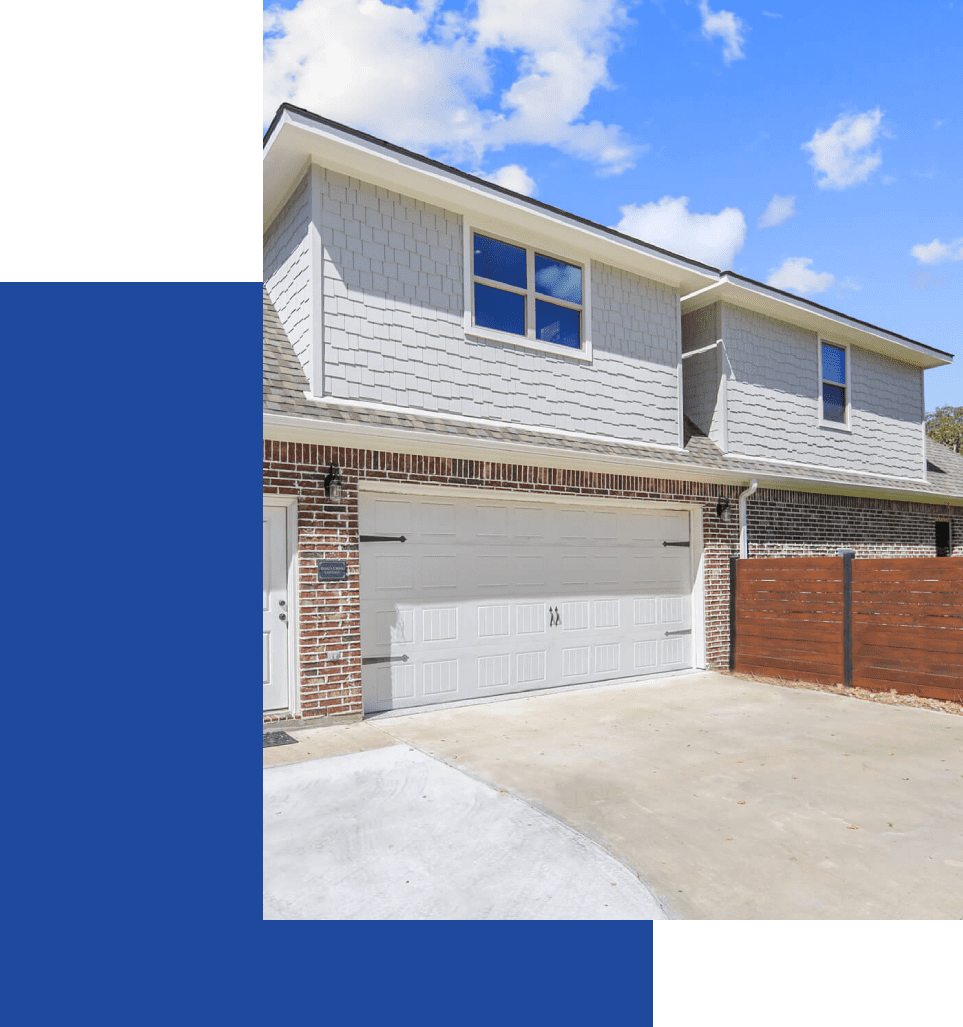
column 277, row 616
column 490, row 596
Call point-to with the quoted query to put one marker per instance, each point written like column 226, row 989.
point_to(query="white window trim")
column 846, row 426
column 584, row 354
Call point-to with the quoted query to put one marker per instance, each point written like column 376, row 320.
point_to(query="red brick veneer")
column 329, row 612
column 780, row 524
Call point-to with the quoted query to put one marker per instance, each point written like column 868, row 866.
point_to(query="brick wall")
column 780, row 524
column 804, row 524
column 329, row 612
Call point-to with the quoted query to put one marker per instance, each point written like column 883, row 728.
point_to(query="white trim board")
column 290, row 503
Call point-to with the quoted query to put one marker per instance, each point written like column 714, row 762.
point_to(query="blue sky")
column 816, row 146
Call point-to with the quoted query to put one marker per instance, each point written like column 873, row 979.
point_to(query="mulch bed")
column 891, row 698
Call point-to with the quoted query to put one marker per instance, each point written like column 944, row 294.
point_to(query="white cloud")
column 769, row 14
column 937, row 252
column 840, row 153
column 728, row 27
column 780, row 209
column 712, row 238
column 421, row 76
column 513, row 177
column 795, row 276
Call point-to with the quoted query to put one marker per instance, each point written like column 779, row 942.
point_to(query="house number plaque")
column 332, row 570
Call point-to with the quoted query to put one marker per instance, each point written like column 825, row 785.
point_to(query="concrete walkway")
column 392, row 834
column 729, row 799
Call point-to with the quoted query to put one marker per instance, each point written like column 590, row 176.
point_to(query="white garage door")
column 485, row 597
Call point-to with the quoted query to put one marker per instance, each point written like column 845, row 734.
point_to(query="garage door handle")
column 686, row 544
column 685, row 631
column 366, row 660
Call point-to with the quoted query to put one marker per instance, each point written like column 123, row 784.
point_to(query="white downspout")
column 743, row 527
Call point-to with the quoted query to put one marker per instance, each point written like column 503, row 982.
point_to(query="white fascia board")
column 296, row 138
column 828, row 324
column 288, row 428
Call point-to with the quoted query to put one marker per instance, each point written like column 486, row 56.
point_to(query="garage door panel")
column 384, row 625
column 489, row 598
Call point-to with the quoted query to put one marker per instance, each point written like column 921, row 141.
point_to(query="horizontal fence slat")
column 866, row 575
column 939, row 565
column 909, row 677
column 756, row 577
column 945, row 614
column 789, row 674
column 809, row 650
column 942, row 671
column 776, row 563
column 800, row 667
column 777, row 628
column 813, row 611
column 788, row 588
column 890, row 665
column 878, row 684
column 912, row 586
column 915, row 639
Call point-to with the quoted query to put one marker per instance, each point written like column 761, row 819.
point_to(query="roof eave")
column 782, row 306
column 297, row 428
column 297, row 138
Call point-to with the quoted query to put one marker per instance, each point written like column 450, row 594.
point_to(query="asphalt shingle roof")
column 285, row 385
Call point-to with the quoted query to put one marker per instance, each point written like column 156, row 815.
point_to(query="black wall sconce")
column 724, row 510
column 333, row 483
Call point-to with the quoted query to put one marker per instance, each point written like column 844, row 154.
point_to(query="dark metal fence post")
column 732, row 612
column 847, row 555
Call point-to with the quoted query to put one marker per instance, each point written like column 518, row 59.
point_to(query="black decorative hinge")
column 686, row 544
column 382, row 538
column 684, row 631
column 366, row 660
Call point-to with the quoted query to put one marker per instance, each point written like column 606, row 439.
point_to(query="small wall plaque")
column 332, row 570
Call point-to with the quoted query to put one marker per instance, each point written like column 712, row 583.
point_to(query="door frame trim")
column 290, row 504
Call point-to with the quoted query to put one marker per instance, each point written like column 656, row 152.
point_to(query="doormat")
column 278, row 738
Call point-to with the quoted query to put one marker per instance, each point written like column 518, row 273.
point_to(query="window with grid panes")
column 520, row 291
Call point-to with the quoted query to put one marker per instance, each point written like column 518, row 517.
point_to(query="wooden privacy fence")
column 879, row 624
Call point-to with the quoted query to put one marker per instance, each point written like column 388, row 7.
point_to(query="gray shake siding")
column 773, row 395
column 287, row 269
column 701, row 374
column 393, row 288
column 379, row 277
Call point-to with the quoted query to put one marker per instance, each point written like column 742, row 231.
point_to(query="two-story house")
column 509, row 449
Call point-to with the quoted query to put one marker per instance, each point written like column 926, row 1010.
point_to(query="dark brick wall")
column 805, row 524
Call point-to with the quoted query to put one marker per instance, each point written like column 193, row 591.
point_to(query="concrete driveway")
column 714, row 796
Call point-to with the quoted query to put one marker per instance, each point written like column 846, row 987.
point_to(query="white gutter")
column 743, row 527
column 705, row 349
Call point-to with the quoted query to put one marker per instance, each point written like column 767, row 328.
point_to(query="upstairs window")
column 835, row 402
column 521, row 292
